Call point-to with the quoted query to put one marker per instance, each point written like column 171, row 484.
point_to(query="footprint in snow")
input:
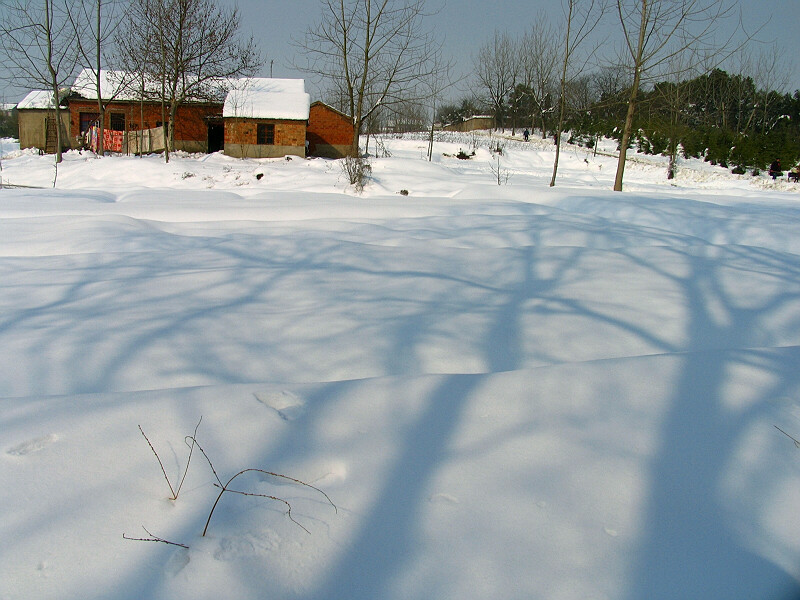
column 289, row 406
column 443, row 499
column 31, row 446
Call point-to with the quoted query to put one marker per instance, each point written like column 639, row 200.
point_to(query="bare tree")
column 772, row 73
column 38, row 50
column 187, row 50
column 440, row 80
column 95, row 23
column 371, row 54
column 673, row 95
column 744, row 89
column 496, row 67
column 538, row 67
column 581, row 17
column 654, row 32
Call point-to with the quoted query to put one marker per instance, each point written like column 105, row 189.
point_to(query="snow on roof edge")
column 37, row 99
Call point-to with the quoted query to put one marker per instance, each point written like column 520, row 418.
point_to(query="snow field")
column 507, row 391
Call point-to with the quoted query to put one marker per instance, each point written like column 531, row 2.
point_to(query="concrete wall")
column 471, row 124
column 330, row 132
column 33, row 128
column 241, row 138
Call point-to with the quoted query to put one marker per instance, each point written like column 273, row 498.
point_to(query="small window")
column 117, row 122
column 265, row 134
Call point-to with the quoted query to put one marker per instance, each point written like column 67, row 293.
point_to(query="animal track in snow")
column 444, row 499
column 289, row 406
column 33, row 445
column 334, row 471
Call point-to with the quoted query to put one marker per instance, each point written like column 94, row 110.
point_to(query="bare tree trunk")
column 581, row 21
column 53, row 77
column 562, row 94
column 100, row 106
column 637, row 77
column 626, row 134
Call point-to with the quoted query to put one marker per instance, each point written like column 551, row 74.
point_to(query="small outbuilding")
column 330, row 132
column 36, row 116
column 266, row 118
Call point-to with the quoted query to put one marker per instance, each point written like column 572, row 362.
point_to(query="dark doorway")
column 216, row 137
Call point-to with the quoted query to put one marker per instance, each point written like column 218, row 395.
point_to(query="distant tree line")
column 722, row 118
column 740, row 120
column 8, row 124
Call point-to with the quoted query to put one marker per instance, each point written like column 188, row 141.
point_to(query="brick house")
column 259, row 118
column 330, row 132
column 266, row 118
column 133, row 125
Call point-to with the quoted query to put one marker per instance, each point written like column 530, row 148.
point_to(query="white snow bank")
column 507, row 391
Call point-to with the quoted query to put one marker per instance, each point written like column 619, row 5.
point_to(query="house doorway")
column 216, row 137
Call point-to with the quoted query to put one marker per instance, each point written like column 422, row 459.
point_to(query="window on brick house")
column 265, row 134
column 117, row 122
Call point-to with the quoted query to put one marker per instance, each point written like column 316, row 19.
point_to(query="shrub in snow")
column 358, row 171
column 192, row 443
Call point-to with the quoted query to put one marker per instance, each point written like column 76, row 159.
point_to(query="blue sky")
column 465, row 25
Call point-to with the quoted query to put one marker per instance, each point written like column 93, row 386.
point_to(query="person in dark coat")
column 775, row 168
column 526, row 134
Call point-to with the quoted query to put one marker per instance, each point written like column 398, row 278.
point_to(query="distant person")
column 526, row 134
column 775, row 169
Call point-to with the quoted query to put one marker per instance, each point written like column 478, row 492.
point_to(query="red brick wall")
column 191, row 123
column 287, row 133
column 328, row 127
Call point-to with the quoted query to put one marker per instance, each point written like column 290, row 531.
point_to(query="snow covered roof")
column 126, row 86
column 41, row 99
column 264, row 98
column 113, row 84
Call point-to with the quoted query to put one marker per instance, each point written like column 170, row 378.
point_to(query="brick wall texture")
column 287, row 133
column 328, row 127
column 191, row 121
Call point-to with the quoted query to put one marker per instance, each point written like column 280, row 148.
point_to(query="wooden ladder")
column 50, row 136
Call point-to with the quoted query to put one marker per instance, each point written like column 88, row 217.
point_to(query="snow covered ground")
column 506, row 391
